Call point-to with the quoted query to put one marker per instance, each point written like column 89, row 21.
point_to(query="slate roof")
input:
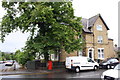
column 110, row 39
column 88, row 23
column 118, row 48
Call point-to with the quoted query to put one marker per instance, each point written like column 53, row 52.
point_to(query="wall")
column 111, row 49
column 102, row 33
column 65, row 54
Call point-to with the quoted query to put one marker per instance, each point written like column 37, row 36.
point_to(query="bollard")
column 14, row 66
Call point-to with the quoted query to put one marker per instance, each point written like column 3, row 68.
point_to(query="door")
column 90, row 63
column 90, row 53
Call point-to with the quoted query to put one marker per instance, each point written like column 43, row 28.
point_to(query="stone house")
column 97, row 43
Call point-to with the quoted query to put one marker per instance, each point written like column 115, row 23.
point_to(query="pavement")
column 28, row 72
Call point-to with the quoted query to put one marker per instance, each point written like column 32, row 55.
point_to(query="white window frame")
column 100, row 39
column 101, row 53
column 80, row 53
column 99, row 27
column 54, row 57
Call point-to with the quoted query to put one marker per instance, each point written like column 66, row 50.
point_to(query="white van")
column 78, row 63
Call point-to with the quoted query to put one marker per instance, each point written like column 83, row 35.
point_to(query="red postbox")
column 49, row 65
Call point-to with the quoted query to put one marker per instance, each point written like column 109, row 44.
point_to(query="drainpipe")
column 93, row 42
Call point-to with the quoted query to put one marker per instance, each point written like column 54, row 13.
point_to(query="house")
column 117, row 51
column 97, row 44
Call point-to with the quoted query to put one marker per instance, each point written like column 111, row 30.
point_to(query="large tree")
column 52, row 25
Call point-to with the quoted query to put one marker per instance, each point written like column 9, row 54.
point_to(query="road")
column 83, row 75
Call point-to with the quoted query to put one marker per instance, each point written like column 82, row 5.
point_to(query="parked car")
column 77, row 63
column 9, row 63
column 111, row 74
column 1, row 62
column 109, row 63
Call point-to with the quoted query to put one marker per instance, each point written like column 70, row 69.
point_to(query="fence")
column 41, row 65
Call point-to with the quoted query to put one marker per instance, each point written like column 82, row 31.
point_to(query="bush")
column 23, row 57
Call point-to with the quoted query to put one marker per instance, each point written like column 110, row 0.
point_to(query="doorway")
column 91, row 53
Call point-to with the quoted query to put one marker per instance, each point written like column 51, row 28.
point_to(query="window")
column 99, row 27
column 54, row 57
column 90, row 60
column 80, row 53
column 100, row 53
column 100, row 39
column 113, row 60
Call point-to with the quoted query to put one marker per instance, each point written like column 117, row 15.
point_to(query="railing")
column 41, row 65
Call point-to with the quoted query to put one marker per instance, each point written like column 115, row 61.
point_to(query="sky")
column 82, row 8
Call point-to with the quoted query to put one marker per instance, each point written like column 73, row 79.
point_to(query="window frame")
column 101, row 53
column 99, row 27
column 100, row 39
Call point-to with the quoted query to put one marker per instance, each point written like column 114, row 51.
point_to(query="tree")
column 6, row 56
column 3, row 56
column 22, row 57
column 52, row 25
column 118, row 54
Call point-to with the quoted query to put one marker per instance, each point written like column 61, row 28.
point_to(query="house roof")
column 88, row 23
column 118, row 48
column 110, row 39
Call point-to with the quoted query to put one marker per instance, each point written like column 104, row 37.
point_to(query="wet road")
column 84, row 75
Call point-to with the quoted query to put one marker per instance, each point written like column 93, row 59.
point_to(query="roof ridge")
column 95, row 16
column 84, row 18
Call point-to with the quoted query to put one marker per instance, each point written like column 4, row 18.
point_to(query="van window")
column 90, row 60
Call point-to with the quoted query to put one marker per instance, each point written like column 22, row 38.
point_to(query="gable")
column 89, row 23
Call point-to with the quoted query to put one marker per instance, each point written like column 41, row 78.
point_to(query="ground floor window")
column 100, row 53
column 80, row 53
column 54, row 57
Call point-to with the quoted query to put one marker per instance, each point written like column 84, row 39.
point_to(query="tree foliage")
column 22, row 57
column 118, row 54
column 52, row 25
column 6, row 56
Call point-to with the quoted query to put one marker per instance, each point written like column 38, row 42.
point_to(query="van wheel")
column 95, row 68
column 77, row 69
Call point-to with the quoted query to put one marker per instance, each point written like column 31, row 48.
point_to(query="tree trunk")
column 46, row 55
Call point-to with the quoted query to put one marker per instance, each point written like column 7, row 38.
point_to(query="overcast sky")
column 83, row 8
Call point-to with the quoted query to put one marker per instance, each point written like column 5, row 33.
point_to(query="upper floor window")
column 99, row 27
column 100, row 39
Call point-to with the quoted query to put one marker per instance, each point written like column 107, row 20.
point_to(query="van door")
column 68, row 63
column 90, row 63
column 86, row 64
